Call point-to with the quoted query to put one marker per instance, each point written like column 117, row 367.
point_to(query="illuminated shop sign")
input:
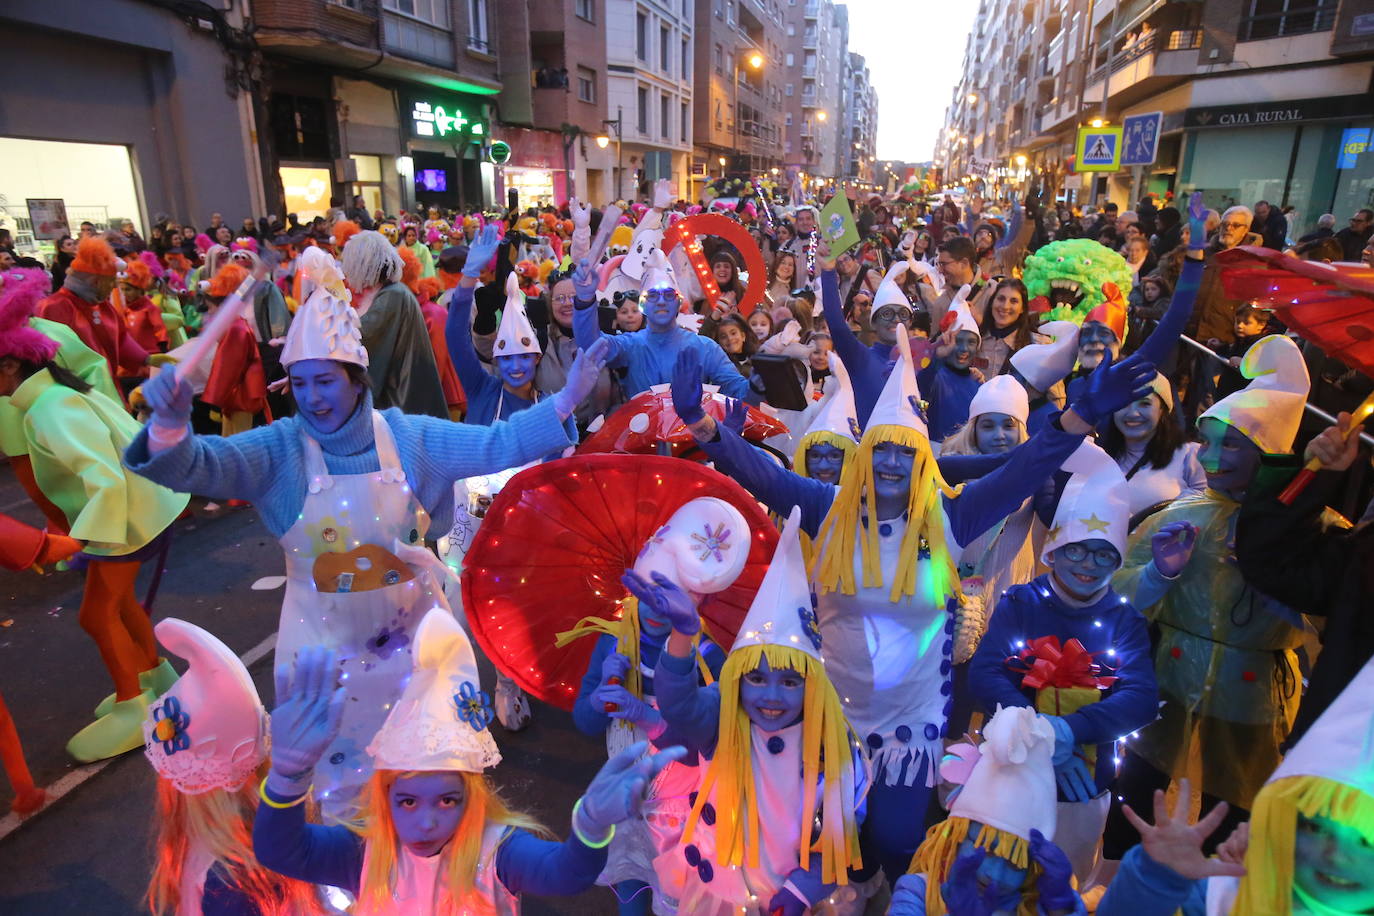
column 446, row 119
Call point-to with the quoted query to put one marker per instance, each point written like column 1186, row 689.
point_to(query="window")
column 720, row 9
column 586, row 9
column 642, row 37
column 720, row 59
column 586, row 84
column 789, row 119
column 643, row 99
column 665, row 56
column 791, row 60
column 730, row 12
column 1276, row 18
column 684, row 130
column 791, row 30
column 477, row 26
column 686, row 70
column 664, row 118
column 435, row 12
column 789, row 90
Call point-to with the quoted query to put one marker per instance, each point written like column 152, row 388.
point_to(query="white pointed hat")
column 325, row 326
column 1095, row 502
column 782, row 613
column 899, row 404
column 1269, row 410
column 440, row 722
column 1000, row 394
column 515, row 336
column 837, row 413
column 1340, row 744
column 209, row 731
column 963, row 315
column 1011, row 786
column 889, row 293
column 1043, row 364
column 657, row 272
column 702, row 547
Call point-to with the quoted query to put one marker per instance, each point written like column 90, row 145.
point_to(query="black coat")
column 1326, row 572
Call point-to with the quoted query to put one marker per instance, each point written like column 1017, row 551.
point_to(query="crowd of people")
column 1032, row 565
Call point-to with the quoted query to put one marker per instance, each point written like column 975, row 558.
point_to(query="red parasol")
column 649, row 418
column 555, row 543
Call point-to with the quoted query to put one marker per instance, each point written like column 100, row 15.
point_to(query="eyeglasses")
column 897, row 313
column 564, row 299
column 1103, row 557
column 1235, row 225
column 619, row 296
column 661, row 295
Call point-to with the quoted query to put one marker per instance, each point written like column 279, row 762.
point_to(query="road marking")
column 71, row 780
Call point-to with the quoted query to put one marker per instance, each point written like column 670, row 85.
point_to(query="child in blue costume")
column 1075, row 601
column 948, row 382
column 868, row 365
column 616, row 698
column 648, row 354
column 350, row 493
column 516, row 350
column 434, row 836
column 774, row 824
column 889, row 637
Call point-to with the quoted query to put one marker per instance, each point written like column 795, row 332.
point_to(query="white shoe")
column 512, row 706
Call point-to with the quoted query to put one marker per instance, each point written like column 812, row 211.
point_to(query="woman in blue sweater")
column 435, row 837
column 350, row 492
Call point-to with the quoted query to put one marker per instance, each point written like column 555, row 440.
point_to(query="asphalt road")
column 89, row 853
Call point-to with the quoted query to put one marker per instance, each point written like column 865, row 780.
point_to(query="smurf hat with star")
column 440, row 722
column 209, row 730
column 1095, row 503
column 781, row 631
column 836, row 422
column 1043, row 364
column 896, row 418
column 515, row 336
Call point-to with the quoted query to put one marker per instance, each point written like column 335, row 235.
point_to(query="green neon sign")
column 444, row 121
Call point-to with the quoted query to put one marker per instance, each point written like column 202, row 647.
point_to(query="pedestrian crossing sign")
column 1099, row 149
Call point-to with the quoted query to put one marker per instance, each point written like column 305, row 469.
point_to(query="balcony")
column 417, row 40
column 1144, row 68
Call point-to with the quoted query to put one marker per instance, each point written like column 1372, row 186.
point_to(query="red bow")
column 1048, row 664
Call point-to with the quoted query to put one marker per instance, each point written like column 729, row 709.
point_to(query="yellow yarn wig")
column 827, row 752
column 833, row 567
column 1267, row 888
column 939, row 850
column 821, row 437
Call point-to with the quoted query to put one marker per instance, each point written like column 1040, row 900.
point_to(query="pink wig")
column 245, row 243
column 153, row 264
column 19, row 298
column 203, row 242
column 432, row 236
column 694, row 209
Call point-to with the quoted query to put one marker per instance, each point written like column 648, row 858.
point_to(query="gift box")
column 1065, row 678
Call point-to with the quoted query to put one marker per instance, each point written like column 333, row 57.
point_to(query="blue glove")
column 480, row 252
column 960, row 890
column 1064, row 745
column 1197, row 223
column 1112, row 386
column 584, row 281
column 736, row 412
column 616, row 793
column 786, row 903
column 1056, row 875
column 306, row 719
column 614, row 665
column 666, row 599
column 582, row 377
column 627, row 706
column 1075, row 782
column 686, row 386
column 169, row 399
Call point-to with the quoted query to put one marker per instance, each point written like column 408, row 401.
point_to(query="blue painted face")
column 996, row 433
column 426, row 809
column 660, row 306
column 1334, row 864
column 1079, row 567
column 1229, row 459
column 997, row 875
column 517, row 370
column 652, row 623
column 965, row 349
column 892, row 464
column 1094, row 340
column 824, row 462
column 772, row 699
column 325, row 398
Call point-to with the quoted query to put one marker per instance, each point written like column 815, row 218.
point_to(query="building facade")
column 859, row 101
column 1256, row 100
column 817, row 45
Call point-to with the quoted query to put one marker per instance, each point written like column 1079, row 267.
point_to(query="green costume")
column 72, row 355
column 1070, row 275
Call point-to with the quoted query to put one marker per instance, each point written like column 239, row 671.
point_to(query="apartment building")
column 859, row 102
column 1258, row 99
column 817, row 42
column 739, row 75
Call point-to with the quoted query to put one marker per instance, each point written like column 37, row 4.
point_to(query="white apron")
column 891, row 663
column 373, row 631
column 417, row 889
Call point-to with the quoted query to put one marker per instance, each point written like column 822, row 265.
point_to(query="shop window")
column 642, row 37
column 586, row 9
column 434, row 12
column 300, row 126
column 1276, row 18
column 586, row 84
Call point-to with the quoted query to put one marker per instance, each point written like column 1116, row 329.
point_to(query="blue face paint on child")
column 824, row 462
column 426, row 809
column 325, row 396
column 965, row 349
column 996, row 433
column 892, row 464
column 517, row 370
column 997, row 878
column 772, row 699
column 652, row 623
column 1333, row 864
column 1229, row 459
column 1084, row 568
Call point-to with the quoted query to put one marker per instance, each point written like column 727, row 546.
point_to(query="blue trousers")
column 894, row 824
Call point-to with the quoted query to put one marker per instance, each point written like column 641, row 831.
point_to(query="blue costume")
column 591, row 718
column 868, row 366
column 1143, row 887
column 909, row 899
column 333, row 856
column 648, row 357
column 949, row 392
column 1110, row 628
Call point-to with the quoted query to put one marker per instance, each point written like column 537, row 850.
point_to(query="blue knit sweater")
column 266, row 465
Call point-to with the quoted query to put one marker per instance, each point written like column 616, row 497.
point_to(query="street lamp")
column 972, row 97
column 755, row 62
column 1021, row 159
column 822, row 115
column 617, row 124
column 1097, row 122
